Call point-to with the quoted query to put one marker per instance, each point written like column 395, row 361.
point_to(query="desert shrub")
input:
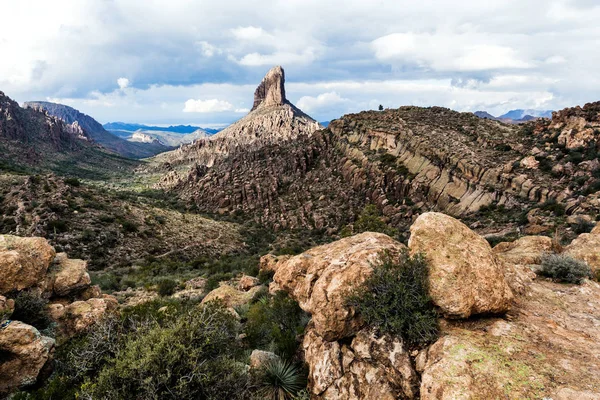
column 564, row 268
column 280, row 380
column 166, row 287
column 189, row 358
column 57, row 226
column 369, row 220
column 30, row 308
column 273, row 324
column 73, row 182
column 213, row 281
column 582, row 225
column 553, row 206
column 129, row 226
column 265, row 277
column 395, row 299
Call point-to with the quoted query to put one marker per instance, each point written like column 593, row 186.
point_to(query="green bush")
column 274, row 323
column 73, row 182
column 553, row 206
column 189, row 358
column 395, row 299
column 369, row 220
column 563, row 268
column 166, row 287
column 30, row 308
column 582, row 225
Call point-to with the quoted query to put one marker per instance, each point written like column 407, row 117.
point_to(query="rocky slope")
column 96, row 132
column 31, row 265
column 31, row 140
column 405, row 161
column 273, row 119
column 533, row 338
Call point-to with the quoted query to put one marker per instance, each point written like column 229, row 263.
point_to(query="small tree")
column 380, row 107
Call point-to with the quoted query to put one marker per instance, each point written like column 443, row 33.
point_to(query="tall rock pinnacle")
column 271, row 91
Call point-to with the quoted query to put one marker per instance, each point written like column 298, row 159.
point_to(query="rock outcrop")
column 271, row 91
column 527, row 250
column 320, row 278
column 466, row 278
column 23, row 262
column 586, row 248
column 69, row 276
column 230, row 296
column 23, row 354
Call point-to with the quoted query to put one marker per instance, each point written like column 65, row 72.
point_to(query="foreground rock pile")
column 504, row 333
column 31, row 265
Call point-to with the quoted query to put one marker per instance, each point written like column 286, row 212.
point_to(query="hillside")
column 34, row 141
column 96, row 131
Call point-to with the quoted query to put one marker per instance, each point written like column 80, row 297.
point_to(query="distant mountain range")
column 181, row 129
column 516, row 116
column 94, row 130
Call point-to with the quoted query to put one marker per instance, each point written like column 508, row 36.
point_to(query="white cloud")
column 278, row 58
column 322, row 101
column 207, row 49
column 123, row 83
column 446, row 51
column 207, row 106
column 249, row 33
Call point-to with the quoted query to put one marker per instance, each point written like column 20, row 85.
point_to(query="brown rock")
column 7, row 306
column 70, row 276
column 247, row 282
column 230, row 296
column 366, row 368
column 260, row 358
column 530, row 162
column 24, row 353
column 524, row 251
column 91, row 292
column 320, row 278
column 586, row 248
column 78, row 316
column 23, row 262
column 466, row 278
column 271, row 91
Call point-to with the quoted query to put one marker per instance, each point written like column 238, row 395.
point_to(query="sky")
column 198, row 62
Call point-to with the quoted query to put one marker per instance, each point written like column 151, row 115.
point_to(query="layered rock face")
column 31, row 264
column 271, row 91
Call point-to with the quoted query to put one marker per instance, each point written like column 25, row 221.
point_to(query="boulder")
column 247, row 282
column 466, row 278
column 524, row 251
column 24, row 353
column 320, row 279
column 78, row 316
column 368, row 367
column 230, row 296
column 260, row 358
column 586, row 248
column 23, row 262
column 269, row 262
column 69, row 276
column 7, row 306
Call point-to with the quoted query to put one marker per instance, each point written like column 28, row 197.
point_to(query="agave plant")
column 281, row 380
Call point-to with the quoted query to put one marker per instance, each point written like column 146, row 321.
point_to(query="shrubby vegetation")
column 564, row 268
column 395, row 299
column 30, row 308
column 172, row 349
column 369, row 220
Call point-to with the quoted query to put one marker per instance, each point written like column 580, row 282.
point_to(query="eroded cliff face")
column 273, row 119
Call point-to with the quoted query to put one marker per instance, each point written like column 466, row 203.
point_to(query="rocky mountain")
column 515, row 116
column 404, row 161
column 37, row 141
column 165, row 138
column 181, row 129
column 273, row 119
column 96, row 132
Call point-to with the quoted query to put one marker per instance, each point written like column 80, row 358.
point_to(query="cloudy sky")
column 196, row 61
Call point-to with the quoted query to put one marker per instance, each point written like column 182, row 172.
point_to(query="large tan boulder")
column 320, row 279
column 466, row 278
column 586, row 248
column 230, row 296
column 24, row 353
column 260, row 358
column 69, row 276
column 78, row 316
column 247, row 282
column 524, row 251
column 368, row 367
column 23, row 262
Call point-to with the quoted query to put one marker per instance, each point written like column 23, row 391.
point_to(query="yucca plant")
column 281, row 380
